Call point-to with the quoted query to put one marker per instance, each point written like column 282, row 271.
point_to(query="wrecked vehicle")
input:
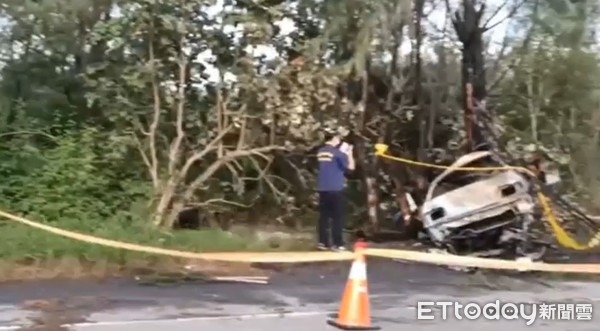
column 489, row 213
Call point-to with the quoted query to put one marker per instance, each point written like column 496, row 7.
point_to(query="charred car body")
column 488, row 212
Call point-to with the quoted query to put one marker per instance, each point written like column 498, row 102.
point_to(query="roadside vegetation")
column 159, row 122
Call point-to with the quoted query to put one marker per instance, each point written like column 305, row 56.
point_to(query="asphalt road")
column 297, row 300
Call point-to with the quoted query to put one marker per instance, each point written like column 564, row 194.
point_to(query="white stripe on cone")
column 358, row 271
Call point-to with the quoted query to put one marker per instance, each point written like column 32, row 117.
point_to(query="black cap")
column 329, row 133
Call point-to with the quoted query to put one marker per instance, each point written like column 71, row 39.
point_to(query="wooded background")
column 110, row 121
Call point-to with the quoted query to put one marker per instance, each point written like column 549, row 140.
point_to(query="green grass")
column 19, row 242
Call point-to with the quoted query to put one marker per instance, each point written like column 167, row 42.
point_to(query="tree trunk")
column 177, row 208
column 418, row 92
column 165, row 201
column 370, row 168
column 470, row 33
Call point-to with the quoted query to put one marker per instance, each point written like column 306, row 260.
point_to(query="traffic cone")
column 354, row 313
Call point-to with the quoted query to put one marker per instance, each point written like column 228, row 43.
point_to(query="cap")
column 329, row 133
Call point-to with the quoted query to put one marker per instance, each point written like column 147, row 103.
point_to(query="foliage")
column 115, row 116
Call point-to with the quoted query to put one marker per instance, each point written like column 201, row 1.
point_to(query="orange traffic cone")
column 354, row 313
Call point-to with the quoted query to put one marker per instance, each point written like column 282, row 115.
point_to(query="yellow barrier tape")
column 381, row 149
column 563, row 238
column 484, row 263
column 249, row 257
column 561, row 234
column 304, row 257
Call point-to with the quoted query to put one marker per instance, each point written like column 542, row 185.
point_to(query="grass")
column 27, row 253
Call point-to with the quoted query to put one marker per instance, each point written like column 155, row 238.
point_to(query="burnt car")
column 488, row 212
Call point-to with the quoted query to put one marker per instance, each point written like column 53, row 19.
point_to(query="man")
column 333, row 163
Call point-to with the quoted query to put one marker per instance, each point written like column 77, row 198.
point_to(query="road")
column 296, row 300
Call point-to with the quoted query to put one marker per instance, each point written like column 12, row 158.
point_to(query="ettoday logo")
column 497, row 310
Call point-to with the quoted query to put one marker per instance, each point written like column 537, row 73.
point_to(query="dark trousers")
column 331, row 216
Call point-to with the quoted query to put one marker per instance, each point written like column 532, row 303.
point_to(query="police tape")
column 311, row 257
column 247, row 257
column 484, row 263
column 561, row 235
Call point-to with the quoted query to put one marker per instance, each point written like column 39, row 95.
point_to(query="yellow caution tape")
column 381, row 149
column 304, row 257
column 247, row 257
column 483, row 263
column 563, row 238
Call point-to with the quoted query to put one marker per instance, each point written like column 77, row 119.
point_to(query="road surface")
column 296, row 300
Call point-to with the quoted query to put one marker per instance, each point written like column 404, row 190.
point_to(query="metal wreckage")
column 494, row 213
column 488, row 213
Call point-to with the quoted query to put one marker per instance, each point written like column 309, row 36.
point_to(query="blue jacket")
column 333, row 164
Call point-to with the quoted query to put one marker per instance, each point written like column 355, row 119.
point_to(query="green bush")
column 77, row 184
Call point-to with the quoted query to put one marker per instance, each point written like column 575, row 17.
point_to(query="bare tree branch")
column 234, row 174
column 207, row 149
column 220, row 115
column 495, row 13
column 217, row 164
column 139, row 126
column 511, row 13
column 277, row 193
column 237, row 164
column 299, row 172
column 213, row 201
column 147, row 162
column 157, row 106
column 175, row 150
column 242, row 137
column 261, row 171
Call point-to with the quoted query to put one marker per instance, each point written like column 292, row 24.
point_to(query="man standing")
column 333, row 163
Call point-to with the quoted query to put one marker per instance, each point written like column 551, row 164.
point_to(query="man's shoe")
column 322, row 247
column 339, row 249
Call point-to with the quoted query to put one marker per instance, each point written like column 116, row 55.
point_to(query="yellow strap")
column 562, row 236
